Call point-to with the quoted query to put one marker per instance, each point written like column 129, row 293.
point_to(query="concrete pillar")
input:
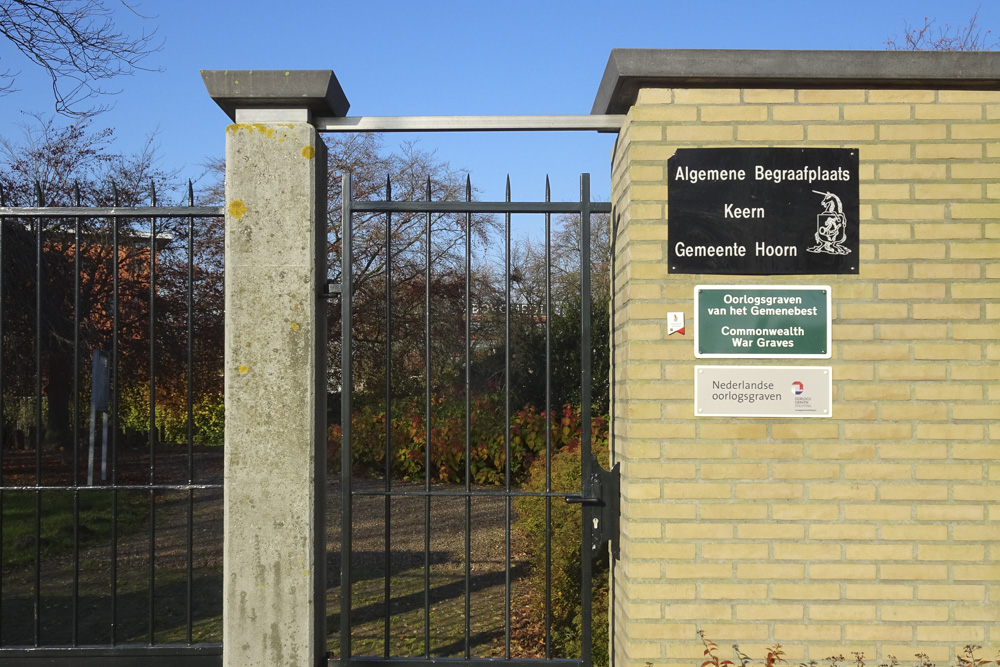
column 274, row 590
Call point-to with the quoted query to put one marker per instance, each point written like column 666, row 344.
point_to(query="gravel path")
column 407, row 519
column 447, row 559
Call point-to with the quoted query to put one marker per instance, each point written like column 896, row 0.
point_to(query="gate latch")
column 605, row 498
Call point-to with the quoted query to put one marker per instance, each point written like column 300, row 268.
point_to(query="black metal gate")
column 103, row 559
column 420, row 611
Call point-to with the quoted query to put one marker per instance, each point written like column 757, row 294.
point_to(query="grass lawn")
column 92, row 578
column 58, row 511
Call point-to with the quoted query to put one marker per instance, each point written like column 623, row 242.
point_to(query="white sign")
column 675, row 323
column 763, row 391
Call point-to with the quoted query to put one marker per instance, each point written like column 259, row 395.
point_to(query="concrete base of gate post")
column 274, row 590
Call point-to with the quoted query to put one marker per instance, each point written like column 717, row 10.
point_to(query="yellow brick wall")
column 876, row 531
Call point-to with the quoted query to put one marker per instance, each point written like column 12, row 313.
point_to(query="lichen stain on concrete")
column 308, row 152
column 237, row 208
column 269, row 132
column 295, row 326
column 244, row 368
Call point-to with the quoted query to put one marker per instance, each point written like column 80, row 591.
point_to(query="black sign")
column 763, row 211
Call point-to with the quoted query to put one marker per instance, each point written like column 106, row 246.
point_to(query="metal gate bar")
column 506, row 434
column 583, row 208
column 427, row 433
column 467, row 625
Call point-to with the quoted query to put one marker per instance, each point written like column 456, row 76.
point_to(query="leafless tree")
column 530, row 267
column 78, row 43
column 413, row 174
column 528, row 260
column 932, row 37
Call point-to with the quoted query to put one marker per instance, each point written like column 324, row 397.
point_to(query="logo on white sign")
column 675, row 323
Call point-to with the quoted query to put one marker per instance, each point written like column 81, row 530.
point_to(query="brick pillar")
column 874, row 531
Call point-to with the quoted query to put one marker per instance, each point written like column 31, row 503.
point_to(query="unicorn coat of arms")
column 831, row 227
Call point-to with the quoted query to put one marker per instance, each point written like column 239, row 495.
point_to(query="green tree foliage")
column 564, row 540
column 487, row 440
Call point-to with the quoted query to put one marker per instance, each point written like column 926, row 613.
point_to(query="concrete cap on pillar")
column 628, row 70
column 316, row 90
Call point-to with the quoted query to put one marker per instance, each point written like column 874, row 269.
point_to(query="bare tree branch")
column 79, row 45
column 929, row 37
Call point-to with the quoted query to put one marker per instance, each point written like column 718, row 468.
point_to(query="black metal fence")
column 431, row 566
column 110, row 402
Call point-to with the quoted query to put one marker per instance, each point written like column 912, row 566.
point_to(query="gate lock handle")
column 605, row 499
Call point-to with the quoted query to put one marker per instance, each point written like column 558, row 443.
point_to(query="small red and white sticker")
column 675, row 323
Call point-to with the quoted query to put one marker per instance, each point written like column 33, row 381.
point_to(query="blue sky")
column 432, row 57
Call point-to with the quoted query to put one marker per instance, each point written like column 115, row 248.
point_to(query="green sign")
column 761, row 321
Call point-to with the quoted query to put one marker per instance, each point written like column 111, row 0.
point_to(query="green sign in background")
column 762, row 321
